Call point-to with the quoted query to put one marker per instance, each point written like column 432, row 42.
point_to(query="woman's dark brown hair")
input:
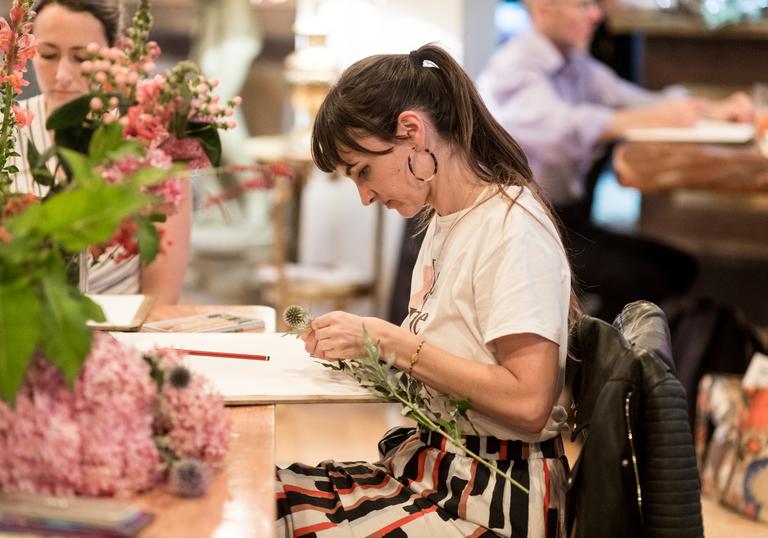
column 371, row 94
column 109, row 13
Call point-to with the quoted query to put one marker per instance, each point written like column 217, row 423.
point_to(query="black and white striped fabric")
column 424, row 486
column 104, row 276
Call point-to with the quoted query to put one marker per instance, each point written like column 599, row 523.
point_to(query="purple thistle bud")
column 179, row 377
column 190, row 478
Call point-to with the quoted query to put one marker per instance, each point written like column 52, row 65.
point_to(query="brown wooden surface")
column 240, row 500
column 658, row 166
column 169, row 311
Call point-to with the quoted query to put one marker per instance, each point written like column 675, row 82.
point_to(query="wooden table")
column 240, row 500
column 167, row 311
column 662, row 166
column 707, row 199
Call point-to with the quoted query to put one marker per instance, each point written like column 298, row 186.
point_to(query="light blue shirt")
column 557, row 108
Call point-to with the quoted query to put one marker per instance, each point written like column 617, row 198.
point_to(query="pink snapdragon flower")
column 22, row 116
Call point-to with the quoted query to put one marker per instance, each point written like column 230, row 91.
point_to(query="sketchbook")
column 123, row 312
column 289, row 375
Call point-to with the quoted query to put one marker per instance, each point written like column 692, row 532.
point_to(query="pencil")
column 224, row 354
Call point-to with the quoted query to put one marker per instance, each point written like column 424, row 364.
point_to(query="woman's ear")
column 411, row 126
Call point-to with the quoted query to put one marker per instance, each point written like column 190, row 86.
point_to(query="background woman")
column 63, row 29
column 488, row 316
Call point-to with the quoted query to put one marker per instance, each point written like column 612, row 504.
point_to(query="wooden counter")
column 240, row 500
column 663, row 166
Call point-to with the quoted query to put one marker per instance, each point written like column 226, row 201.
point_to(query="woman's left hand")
column 339, row 335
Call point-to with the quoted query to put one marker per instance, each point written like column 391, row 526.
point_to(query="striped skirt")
column 424, row 486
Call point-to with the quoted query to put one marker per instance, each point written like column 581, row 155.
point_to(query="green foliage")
column 20, row 329
column 81, row 217
column 39, row 308
column 37, row 167
column 380, row 377
column 209, row 138
column 63, row 322
column 148, row 238
column 69, row 115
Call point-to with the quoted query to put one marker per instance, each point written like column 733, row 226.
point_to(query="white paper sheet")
column 290, row 376
column 123, row 312
column 705, row 131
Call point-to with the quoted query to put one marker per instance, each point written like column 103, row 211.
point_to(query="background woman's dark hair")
column 371, row 94
column 109, row 13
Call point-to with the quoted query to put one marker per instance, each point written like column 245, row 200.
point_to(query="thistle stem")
column 425, row 420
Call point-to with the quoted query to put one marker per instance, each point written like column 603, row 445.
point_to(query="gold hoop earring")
column 410, row 166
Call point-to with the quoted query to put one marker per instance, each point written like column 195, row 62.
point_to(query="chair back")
column 636, row 474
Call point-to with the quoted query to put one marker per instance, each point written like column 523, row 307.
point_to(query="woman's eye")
column 80, row 59
column 363, row 173
column 49, row 56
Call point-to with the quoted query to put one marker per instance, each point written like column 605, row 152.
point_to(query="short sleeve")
column 521, row 284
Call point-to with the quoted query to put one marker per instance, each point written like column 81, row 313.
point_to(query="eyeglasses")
column 585, row 6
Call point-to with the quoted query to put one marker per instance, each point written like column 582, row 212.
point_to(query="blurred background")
column 281, row 56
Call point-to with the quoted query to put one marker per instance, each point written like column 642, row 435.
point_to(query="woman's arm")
column 519, row 391
column 164, row 278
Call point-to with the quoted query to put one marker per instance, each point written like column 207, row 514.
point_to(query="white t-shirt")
column 499, row 271
column 105, row 276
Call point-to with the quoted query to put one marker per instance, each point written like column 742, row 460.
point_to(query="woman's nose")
column 367, row 196
column 67, row 71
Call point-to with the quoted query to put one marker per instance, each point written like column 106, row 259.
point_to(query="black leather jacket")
column 636, row 474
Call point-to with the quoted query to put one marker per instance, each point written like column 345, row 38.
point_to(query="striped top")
column 104, row 275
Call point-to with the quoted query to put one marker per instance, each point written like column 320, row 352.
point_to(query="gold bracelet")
column 415, row 357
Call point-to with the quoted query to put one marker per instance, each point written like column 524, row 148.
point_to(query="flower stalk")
column 384, row 380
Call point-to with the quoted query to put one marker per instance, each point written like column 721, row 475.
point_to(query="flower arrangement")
column 130, row 421
column 79, row 413
column 379, row 375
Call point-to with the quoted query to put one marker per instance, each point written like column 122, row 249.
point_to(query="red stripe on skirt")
column 309, row 492
column 462, row 510
column 503, row 450
column 435, row 472
column 312, row 529
column 402, row 521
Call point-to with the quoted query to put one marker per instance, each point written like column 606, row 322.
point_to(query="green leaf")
column 72, row 114
column 20, row 330
column 81, row 168
column 209, row 140
column 127, row 147
column 63, row 319
column 148, row 176
column 79, row 218
column 149, row 240
column 105, row 140
column 33, row 156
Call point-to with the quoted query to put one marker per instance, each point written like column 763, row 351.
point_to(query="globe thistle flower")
column 189, row 478
column 179, row 377
column 297, row 318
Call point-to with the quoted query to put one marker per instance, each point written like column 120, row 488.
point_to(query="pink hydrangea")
column 100, row 438
column 95, row 440
column 194, row 417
